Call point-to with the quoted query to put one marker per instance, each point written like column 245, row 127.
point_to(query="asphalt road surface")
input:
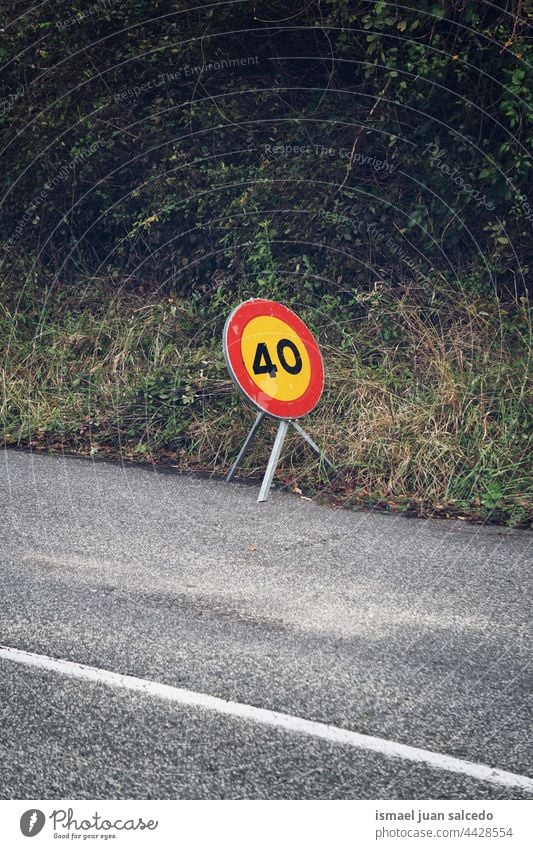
column 410, row 631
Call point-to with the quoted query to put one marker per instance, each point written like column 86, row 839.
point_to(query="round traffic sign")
column 273, row 358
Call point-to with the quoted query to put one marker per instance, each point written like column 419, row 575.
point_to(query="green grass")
column 425, row 408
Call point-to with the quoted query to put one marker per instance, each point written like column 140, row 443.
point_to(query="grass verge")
column 426, row 407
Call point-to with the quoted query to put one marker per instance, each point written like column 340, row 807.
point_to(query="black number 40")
column 263, row 362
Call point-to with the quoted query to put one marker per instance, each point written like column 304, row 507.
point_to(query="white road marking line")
column 331, row 733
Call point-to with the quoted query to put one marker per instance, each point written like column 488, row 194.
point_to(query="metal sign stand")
column 275, row 453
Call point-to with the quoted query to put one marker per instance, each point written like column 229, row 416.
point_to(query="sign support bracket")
column 273, row 460
column 275, row 453
column 247, row 442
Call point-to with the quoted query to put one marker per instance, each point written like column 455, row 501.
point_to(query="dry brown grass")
column 424, row 408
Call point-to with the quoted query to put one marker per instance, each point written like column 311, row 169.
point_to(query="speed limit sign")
column 273, row 358
column 276, row 363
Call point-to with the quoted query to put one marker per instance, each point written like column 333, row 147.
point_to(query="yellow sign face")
column 275, row 358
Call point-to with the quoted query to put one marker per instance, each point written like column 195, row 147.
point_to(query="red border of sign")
column 233, row 330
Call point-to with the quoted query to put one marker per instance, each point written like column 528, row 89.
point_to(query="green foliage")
column 122, row 153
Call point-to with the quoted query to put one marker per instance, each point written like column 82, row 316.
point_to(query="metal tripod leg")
column 313, row 445
column 247, row 442
column 273, row 461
